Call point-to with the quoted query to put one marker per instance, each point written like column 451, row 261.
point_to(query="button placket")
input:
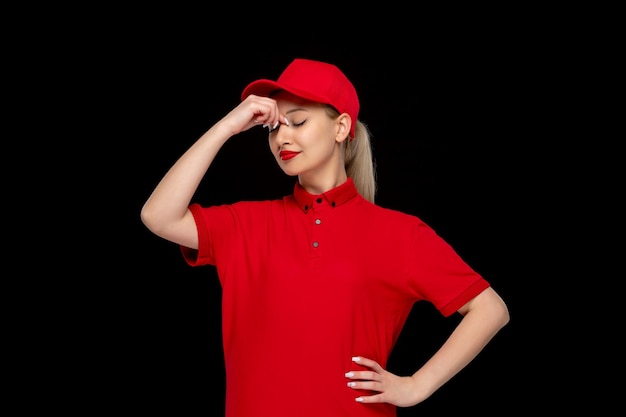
column 317, row 222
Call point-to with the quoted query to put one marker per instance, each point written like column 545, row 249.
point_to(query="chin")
column 290, row 172
column 287, row 169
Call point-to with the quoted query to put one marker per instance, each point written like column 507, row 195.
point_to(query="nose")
column 281, row 135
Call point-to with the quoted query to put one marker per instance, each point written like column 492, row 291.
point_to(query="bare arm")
column 166, row 212
column 483, row 317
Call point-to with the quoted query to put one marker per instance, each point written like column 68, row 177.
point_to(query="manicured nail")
column 351, row 384
column 266, row 125
column 275, row 124
column 349, row 374
column 356, row 358
column 359, row 399
column 286, row 121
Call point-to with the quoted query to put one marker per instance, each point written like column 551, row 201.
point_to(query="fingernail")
column 266, row 125
column 359, row 399
column 351, row 384
column 349, row 374
column 356, row 358
column 275, row 124
column 286, row 121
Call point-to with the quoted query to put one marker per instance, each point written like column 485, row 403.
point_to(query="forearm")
column 485, row 316
column 169, row 201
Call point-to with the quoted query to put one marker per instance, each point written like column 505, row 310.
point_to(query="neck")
column 316, row 185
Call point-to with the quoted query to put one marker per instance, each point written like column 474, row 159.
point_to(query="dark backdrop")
column 446, row 136
column 454, row 142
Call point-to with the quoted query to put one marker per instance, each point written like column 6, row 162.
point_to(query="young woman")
column 317, row 286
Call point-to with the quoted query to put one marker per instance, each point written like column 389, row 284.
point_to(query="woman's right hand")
column 253, row 111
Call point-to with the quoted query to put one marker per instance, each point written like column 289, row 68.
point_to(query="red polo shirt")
column 308, row 282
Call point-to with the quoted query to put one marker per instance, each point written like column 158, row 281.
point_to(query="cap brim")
column 265, row 88
column 260, row 88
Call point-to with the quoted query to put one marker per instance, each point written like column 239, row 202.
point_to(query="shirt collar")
column 334, row 198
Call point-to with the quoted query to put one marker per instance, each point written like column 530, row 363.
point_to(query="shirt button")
column 332, row 204
column 318, row 221
column 319, row 201
column 315, row 244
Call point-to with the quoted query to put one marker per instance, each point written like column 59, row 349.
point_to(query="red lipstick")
column 285, row 155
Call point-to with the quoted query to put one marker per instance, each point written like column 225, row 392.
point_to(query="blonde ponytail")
column 359, row 161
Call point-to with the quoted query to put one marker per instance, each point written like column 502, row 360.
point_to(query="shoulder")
column 260, row 208
column 393, row 214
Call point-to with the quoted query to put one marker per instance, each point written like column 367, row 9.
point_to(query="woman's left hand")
column 389, row 388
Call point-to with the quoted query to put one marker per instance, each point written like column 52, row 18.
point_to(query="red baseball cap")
column 312, row 80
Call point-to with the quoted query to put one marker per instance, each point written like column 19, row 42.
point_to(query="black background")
column 445, row 136
column 457, row 115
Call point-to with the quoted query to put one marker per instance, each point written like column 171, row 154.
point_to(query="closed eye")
column 291, row 124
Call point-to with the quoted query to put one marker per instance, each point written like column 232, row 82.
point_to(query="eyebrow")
column 296, row 109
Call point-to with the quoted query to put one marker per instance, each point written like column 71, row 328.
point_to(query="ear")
column 343, row 123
